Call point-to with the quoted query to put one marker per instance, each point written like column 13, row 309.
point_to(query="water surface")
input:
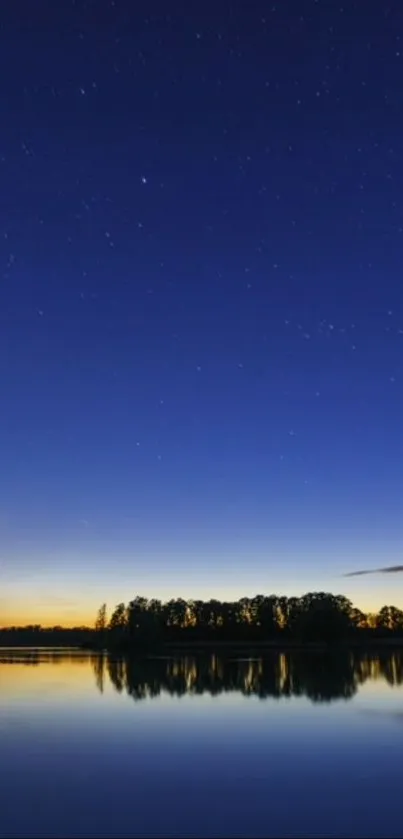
column 285, row 745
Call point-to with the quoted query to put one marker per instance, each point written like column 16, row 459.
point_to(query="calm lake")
column 285, row 745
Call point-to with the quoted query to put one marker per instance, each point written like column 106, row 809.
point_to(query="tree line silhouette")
column 317, row 617
column 314, row 617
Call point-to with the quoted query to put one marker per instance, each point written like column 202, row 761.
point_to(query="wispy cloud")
column 389, row 569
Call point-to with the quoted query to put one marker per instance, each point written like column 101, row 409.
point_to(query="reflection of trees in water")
column 388, row 667
column 320, row 677
column 98, row 665
column 117, row 673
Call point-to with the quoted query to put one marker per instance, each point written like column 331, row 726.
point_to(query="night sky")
column 201, row 333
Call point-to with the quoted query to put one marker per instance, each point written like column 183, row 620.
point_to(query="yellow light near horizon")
column 71, row 675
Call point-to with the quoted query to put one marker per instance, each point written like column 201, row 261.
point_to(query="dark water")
column 286, row 745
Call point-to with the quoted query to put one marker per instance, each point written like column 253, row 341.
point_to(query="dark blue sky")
column 201, row 327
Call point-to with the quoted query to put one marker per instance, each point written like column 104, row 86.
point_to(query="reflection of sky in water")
column 87, row 763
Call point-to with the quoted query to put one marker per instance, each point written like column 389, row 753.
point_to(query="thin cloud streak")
column 389, row 569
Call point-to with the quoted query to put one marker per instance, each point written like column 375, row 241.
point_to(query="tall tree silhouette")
column 101, row 619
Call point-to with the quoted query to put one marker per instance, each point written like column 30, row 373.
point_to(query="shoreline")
column 258, row 647
column 188, row 647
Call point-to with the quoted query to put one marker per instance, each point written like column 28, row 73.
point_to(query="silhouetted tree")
column 323, row 617
column 390, row 619
column 101, row 619
column 118, row 624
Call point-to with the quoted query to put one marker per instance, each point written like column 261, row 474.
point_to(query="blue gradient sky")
column 201, row 329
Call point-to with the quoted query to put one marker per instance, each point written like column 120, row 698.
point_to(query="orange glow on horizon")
column 47, row 619
column 48, row 622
